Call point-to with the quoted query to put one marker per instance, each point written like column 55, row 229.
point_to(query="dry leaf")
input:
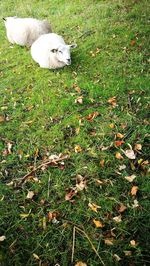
column 120, row 136
column 80, row 263
column 70, row 194
column 112, row 101
column 91, row 116
column 36, row 256
column 118, row 143
column 122, row 208
column 134, row 190
column 77, row 148
column 98, row 224
column 130, row 154
column 30, row 195
column 133, row 42
column 79, row 100
column 127, row 253
column 24, row 215
column 118, row 156
column 112, row 125
column 135, row 204
column 133, row 243
column 80, row 182
column 2, row 118
column 102, row 162
column 44, row 223
column 117, row 258
column 2, row 238
column 109, row 241
column 138, row 147
column 117, row 219
column 130, row 178
column 9, row 146
column 93, row 207
column 122, row 167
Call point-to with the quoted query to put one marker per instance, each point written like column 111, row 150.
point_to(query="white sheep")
column 24, row 31
column 50, row 51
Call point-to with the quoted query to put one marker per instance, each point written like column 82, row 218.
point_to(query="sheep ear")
column 54, row 50
column 4, row 19
column 72, row 46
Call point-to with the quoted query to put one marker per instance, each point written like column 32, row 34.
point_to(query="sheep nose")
column 69, row 61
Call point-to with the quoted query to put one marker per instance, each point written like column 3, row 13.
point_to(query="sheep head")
column 62, row 53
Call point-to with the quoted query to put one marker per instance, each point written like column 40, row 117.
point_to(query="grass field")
column 74, row 142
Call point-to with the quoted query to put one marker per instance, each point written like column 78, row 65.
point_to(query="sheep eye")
column 54, row 50
column 60, row 52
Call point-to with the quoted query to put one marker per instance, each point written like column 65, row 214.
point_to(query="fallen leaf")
column 80, row 182
column 118, row 156
column 44, row 223
column 122, row 167
column 112, row 101
column 9, row 146
column 134, row 190
column 80, row 263
column 135, row 204
column 122, row 208
column 77, row 148
column 2, row 118
column 93, row 207
column 117, row 258
column 119, row 135
column 24, row 215
column 112, row 125
column 79, row 100
column 130, row 178
column 91, row 116
column 30, row 195
column 98, row 224
column 133, row 243
column 109, row 241
column 118, row 143
column 127, row 253
column 130, row 153
column 138, row 147
column 133, row 42
column 70, row 194
column 102, row 162
column 2, row 238
column 117, row 219
column 36, row 256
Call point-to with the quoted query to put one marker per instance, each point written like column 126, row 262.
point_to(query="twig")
column 73, row 243
column 44, row 164
column 48, row 188
column 80, row 230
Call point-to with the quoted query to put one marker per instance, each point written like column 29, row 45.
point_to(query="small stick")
column 43, row 165
column 73, row 243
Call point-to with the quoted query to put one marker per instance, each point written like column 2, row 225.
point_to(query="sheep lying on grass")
column 24, row 31
column 50, row 51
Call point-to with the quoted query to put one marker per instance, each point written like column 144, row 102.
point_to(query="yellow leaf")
column 94, row 207
column 134, row 190
column 118, row 156
column 80, row 263
column 133, row 243
column 117, row 219
column 77, row 148
column 112, row 125
column 122, row 208
column 24, row 215
column 102, row 162
column 36, row 256
column 2, row 238
column 117, row 258
column 30, row 195
column 127, row 253
column 138, row 147
column 98, row 224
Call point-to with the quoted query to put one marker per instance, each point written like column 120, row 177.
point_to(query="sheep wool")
column 51, row 51
column 24, row 31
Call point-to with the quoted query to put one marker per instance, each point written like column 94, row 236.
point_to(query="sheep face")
column 62, row 53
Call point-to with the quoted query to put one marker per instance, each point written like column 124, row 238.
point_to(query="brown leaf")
column 130, row 178
column 91, row 116
column 102, row 162
column 120, row 136
column 118, row 156
column 134, row 190
column 133, row 42
column 2, row 118
column 109, row 241
column 98, row 224
column 112, row 101
column 70, row 194
column 80, row 263
column 118, row 143
column 138, row 147
column 133, row 243
column 93, row 207
column 80, row 182
column 122, row 208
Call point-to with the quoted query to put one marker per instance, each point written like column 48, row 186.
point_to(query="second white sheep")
column 24, row 31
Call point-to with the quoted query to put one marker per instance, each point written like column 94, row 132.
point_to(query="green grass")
column 39, row 116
